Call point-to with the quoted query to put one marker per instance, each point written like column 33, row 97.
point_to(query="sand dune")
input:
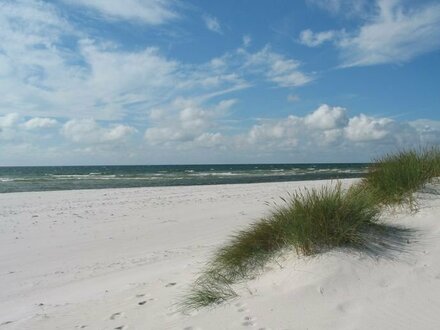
column 121, row 259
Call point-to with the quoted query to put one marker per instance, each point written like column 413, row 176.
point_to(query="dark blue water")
column 17, row 179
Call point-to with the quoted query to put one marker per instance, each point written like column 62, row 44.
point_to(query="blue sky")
column 166, row 81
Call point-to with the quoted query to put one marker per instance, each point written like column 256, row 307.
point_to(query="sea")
column 46, row 178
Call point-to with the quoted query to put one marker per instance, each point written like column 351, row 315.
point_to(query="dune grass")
column 312, row 221
column 393, row 179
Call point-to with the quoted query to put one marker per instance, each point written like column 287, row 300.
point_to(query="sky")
column 94, row 82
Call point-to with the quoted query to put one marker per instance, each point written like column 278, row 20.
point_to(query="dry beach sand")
column 121, row 259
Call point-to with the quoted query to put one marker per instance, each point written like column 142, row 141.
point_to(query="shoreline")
column 122, row 257
column 184, row 186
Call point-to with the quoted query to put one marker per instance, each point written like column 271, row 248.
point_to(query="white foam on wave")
column 83, row 176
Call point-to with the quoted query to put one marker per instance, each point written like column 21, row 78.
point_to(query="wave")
column 94, row 176
column 216, row 174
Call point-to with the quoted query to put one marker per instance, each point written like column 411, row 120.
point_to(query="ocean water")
column 19, row 179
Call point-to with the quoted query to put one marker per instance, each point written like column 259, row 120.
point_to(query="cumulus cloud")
column 329, row 125
column 187, row 127
column 325, row 127
column 212, row 24
column 185, row 121
column 37, row 122
column 326, row 117
column 15, row 129
column 279, row 134
column 152, row 12
column 89, row 131
column 363, row 128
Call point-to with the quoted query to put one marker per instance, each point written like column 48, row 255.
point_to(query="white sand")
column 121, row 258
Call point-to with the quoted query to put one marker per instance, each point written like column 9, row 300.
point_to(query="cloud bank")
column 185, row 127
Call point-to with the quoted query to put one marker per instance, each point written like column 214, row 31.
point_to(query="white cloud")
column 280, row 134
column 312, row 39
column 89, row 131
column 185, row 128
column 186, row 121
column 395, row 35
column 392, row 34
column 428, row 131
column 323, row 126
column 43, row 77
column 8, row 124
column 14, row 129
column 9, row 120
column 358, row 136
column 210, row 140
column 40, row 77
column 247, row 40
column 324, row 129
column 152, row 12
column 283, row 71
column 326, row 117
column 363, row 128
column 38, row 122
column 212, row 24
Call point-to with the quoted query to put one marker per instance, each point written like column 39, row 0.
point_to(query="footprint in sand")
column 115, row 316
column 170, row 284
column 241, row 308
column 249, row 321
column 146, row 297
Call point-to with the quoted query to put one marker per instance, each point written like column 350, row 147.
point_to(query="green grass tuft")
column 206, row 292
column 310, row 222
column 316, row 220
column 393, row 179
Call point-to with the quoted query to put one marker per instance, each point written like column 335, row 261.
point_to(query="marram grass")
column 316, row 220
column 311, row 221
column 394, row 178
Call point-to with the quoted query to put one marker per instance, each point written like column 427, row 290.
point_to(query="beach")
column 123, row 258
